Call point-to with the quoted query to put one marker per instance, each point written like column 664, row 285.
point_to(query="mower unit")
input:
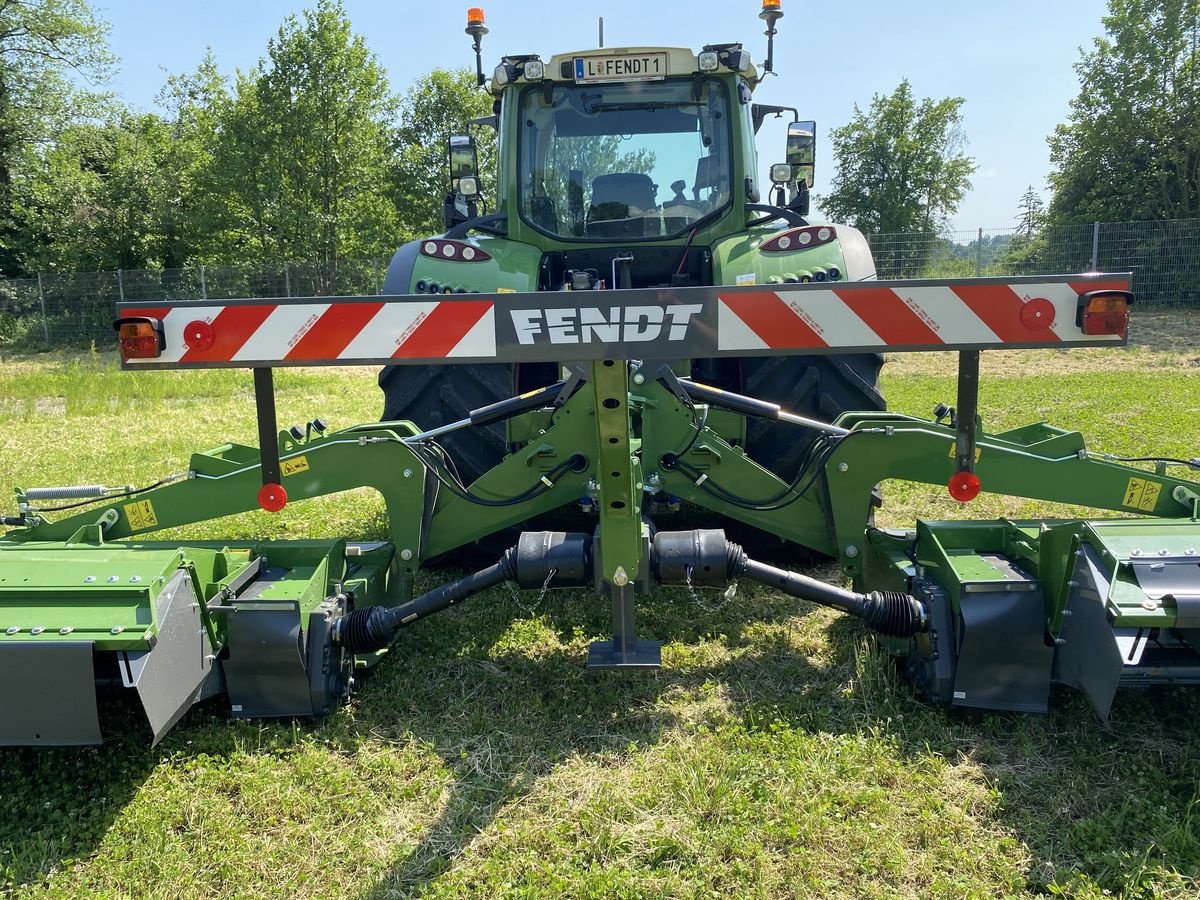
column 986, row 614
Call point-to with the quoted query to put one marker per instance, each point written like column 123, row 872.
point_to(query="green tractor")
column 598, row 342
column 631, row 167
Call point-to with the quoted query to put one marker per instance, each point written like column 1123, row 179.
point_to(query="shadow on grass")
column 1110, row 805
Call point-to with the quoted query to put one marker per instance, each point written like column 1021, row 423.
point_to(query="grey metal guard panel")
column 648, row 323
column 49, row 693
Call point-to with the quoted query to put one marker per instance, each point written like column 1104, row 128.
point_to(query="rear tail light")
column 1104, row 312
column 139, row 337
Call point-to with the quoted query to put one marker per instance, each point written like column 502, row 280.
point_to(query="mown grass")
column 775, row 754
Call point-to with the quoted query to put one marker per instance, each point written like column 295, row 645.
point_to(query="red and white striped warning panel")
column 322, row 332
column 674, row 323
column 897, row 316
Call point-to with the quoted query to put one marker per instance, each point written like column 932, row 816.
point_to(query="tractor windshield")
column 624, row 161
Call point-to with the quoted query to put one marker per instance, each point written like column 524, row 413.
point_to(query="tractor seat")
column 621, row 195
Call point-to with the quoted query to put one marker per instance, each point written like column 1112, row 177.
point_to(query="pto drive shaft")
column 701, row 558
column 704, row 558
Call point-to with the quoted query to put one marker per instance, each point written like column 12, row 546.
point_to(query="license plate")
column 633, row 67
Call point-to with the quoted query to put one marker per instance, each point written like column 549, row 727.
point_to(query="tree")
column 99, row 198
column 900, row 165
column 1131, row 146
column 302, row 161
column 434, row 107
column 40, row 44
column 193, row 214
column 1031, row 213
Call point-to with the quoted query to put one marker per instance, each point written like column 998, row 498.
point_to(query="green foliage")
column 102, row 197
column 1131, row 146
column 303, row 155
column 900, row 165
column 433, row 108
column 43, row 46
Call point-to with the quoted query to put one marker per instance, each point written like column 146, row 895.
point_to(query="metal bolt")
column 620, row 578
column 639, row 378
column 1008, row 587
column 852, row 551
column 1067, row 612
column 1072, row 583
column 13, row 630
column 1190, row 551
column 408, row 473
column 1059, row 641
column 1135, row 552
column 112, row 578
column 1149, row 604
column 843, row 467
column 653, row 479
column 116, row 629
column 89, row 579
column 66, row 629
column 36, row 629
column 1163, row 552
column 134, row 579
column 406, row 554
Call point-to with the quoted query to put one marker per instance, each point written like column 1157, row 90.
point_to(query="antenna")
column 602, row 31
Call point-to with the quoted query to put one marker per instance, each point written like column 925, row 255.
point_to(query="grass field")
column 775, row 754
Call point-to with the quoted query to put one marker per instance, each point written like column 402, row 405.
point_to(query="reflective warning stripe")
column 901, row 316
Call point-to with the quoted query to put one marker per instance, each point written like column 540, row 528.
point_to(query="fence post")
column 287, row 280
column 203, row 284
column 121, row 285
column 979, row 254
column 375, row 266
column 1096, row 247
column 42, row 301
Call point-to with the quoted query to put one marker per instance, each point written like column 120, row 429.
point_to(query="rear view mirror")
column 464, row 162
column 802, row 150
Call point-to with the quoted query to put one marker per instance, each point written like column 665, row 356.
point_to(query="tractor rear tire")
column 818, row 387
column 432, row 396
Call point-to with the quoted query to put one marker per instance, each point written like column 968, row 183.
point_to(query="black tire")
column 818, row 387
column 431, row 396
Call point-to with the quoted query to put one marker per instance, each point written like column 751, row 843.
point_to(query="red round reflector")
column 1037, row 314
column 272, row 497
column 964, row 486
column 199, row 335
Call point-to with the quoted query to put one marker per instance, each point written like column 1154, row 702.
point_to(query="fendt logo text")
column 614, row 325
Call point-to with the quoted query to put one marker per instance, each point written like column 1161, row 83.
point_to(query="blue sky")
column 1012, row 61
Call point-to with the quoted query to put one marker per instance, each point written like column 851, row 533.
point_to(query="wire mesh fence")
column 75, row 309
column 1164, row 257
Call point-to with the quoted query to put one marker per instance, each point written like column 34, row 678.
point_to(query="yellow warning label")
column 141, row 515
column 506, row 290
column 1142, row 494
column 294, row 465
column 978, row 452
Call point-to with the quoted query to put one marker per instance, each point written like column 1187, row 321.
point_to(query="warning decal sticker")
column 1142, row 494
column 141, row 515
column 294, row 466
